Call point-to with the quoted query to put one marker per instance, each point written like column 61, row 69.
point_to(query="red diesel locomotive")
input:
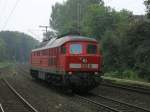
column 72, row 61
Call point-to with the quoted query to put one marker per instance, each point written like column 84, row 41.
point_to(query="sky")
column 27, row 15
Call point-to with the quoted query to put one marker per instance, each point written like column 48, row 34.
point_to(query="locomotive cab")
column 81, row 57
column 82, row 63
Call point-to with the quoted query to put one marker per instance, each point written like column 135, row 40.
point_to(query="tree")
column 139, row 45
column 49, row 35
column 113, row 41
column 16, row 46
column 2, row 49
column 147, row 4
column 97, row 19
column 68, row 16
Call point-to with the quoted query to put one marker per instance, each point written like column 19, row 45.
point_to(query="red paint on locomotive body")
column 54, row 58
column 83, row 62
column 73, row 60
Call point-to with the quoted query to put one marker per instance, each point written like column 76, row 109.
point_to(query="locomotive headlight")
column 96, row 73
column 70, row 73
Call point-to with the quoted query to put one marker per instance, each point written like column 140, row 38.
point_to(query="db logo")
column 84, row 60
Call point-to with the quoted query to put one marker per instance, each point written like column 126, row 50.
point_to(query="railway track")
column 111, row 105
column 24, row 71
column 102, row 106
column 119, row 105
column 140, row 90
column 1, row 108
column 11, row 100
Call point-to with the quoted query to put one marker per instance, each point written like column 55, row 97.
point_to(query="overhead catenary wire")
column 9, row 16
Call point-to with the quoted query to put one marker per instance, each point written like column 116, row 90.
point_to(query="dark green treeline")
column 15, row 46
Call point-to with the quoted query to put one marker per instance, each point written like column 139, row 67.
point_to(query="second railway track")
column 11, row 100
column 117, row 104
column 112, row 105
column 140, row 90
column 103, row 107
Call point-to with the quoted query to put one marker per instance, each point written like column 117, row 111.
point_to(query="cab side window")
column 91, row 49
column 63, row 50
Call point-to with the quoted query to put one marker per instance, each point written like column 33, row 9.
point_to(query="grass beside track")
column 7, row 68
column 5, row 64
column 126, row 82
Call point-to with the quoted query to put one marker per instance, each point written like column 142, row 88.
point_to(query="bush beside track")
column 126, row 82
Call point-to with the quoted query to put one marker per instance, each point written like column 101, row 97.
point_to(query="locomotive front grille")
column 88, row 66
column 72, row 65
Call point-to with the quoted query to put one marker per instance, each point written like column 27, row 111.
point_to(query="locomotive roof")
column 60, row 41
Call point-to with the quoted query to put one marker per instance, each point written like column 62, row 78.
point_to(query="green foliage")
column 114, row 46
column 2, row 49
column 68, row 16
column 49, row 35
column 97, row 20
column 139, row 44
column 147, row 4
column 130, row 50
column 5, row 64
column 127, row 74
column 15, row 46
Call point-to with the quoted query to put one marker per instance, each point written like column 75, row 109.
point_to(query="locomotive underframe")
column 78, row 81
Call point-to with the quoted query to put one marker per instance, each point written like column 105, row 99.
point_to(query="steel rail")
column 99, row 104
column 1, row 107
column 24, row 72
column 130, row 88
column 20, row 97
column 121, row 102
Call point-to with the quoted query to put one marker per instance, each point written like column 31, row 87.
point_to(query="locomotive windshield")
column 91, row 49
column 76, row 49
